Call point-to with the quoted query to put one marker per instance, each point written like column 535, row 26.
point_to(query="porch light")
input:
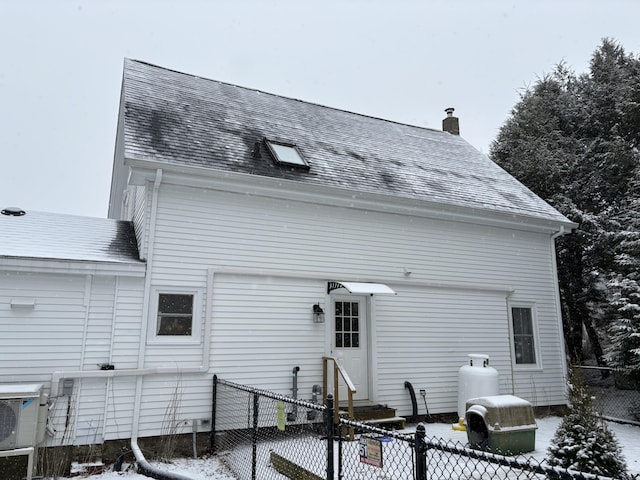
column 318, row 314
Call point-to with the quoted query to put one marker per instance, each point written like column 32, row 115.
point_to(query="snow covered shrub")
column 583, row 441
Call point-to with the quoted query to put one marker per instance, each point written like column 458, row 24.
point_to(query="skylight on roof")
column 286, row 153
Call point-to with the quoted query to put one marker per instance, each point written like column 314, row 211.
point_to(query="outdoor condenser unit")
column 22, row 416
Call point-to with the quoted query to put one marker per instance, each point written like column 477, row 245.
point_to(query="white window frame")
column 536, row 337
column 196, row 327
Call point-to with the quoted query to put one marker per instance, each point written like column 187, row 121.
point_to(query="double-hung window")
column 175, row 315
column 525, row 348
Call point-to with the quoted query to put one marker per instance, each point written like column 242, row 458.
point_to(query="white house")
column 234, row 214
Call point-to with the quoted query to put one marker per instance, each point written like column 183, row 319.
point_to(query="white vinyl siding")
column 140, row 216
column 330, row 243
column 243, row 231
column 99, row 325
column 39, row 340
column 444, row 325
column 263, row 327
column 271, row 261
column 48, row 336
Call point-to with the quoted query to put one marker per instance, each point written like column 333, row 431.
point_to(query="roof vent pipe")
column 451, row 124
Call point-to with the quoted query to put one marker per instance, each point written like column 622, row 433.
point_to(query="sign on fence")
column 371, row 451
column 280, row 415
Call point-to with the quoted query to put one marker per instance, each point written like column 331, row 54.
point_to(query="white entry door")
column 350, row 342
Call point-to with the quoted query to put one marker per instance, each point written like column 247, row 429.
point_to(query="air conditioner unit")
column 22, row 415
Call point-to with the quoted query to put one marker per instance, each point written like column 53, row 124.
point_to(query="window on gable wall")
column 175, row 314
column 524, row 338
column 286, row 154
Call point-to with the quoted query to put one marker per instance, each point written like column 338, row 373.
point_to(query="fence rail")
column 264, row 435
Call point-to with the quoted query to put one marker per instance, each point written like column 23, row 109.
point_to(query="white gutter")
column 144, row 326
column 249, row 184
column 132, row 372
column 556, row 287
column 143, row 465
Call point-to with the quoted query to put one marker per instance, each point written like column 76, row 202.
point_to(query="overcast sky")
column 61, row 68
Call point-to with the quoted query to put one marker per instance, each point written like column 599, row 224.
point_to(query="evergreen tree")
column 583, row 442
column 574, row 140
column 624, row 290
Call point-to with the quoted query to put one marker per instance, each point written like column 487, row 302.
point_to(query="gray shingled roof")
column 55, row 236
column 182, row 119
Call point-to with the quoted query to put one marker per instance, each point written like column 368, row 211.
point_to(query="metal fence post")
column 421, row 453
column 330, row 434
column 212, row 433
column 254, row 437
column 340, row 442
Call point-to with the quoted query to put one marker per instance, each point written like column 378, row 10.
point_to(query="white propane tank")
column 477, row 379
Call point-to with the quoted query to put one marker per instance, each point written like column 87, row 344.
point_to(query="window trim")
column 196, row 327
column 269, row 142
column 536, row 337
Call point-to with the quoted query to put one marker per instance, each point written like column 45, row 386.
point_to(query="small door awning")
column 362, row 288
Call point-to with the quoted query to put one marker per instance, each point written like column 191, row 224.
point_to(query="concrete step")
column 370, row 412
column 393, row 423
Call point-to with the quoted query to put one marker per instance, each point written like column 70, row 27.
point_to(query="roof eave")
column 78, row 267
column 143, row 170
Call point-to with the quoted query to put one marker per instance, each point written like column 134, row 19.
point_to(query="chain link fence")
column 615, row 397
column 374, row 453
column 264, row 435
column 453, row 460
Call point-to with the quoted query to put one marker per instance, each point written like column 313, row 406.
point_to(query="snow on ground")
column 211, row 469
column 628, row 437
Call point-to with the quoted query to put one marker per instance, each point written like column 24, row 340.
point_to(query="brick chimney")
column 450, row 123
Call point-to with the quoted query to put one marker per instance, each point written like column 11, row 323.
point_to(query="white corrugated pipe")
column 145, row 468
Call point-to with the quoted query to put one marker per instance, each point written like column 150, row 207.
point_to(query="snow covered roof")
column 176, row 118
column 39, row 235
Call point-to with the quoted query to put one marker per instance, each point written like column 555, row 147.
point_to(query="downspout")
column 556, row 288
column 143, row 466
column 144, row 324
column 293, row 414
column 140, row 371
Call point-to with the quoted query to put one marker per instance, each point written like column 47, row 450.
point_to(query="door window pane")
column 347, row 324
